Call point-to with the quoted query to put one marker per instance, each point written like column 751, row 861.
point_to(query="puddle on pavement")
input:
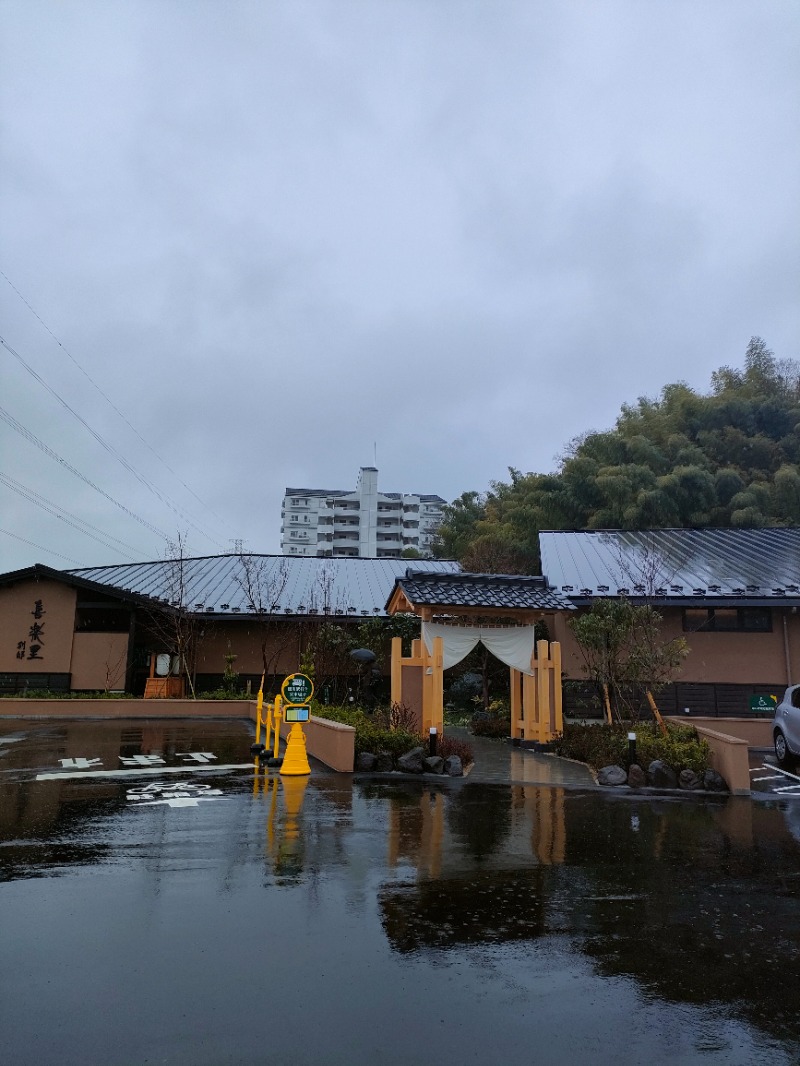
column 214, row 917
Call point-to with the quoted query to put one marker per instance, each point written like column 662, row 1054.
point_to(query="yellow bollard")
column 276, row 725
column 268, row 727
column 259, row 705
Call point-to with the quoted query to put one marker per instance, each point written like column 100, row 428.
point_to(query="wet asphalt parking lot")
column 162, row 901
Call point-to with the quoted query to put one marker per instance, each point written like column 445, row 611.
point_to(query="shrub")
column 607, row 745
column 484, row 725
column 397, row 717
column 448, row 746
column 371, row 734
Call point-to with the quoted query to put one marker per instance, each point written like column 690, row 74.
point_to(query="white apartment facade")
column 363, row 523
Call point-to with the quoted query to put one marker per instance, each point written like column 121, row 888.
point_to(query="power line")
column 9, row 419
column 39, row 547
column 66, row 516
column 105, row 444
column 110, row 402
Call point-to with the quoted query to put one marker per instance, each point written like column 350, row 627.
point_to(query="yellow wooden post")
column 397, row 670
column 516, row 709
column 529, row 707
column 555, row 651
column 543, row 686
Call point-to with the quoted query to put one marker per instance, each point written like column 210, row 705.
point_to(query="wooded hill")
column 730, row 457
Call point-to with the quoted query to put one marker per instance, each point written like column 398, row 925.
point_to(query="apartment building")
column 362, row 523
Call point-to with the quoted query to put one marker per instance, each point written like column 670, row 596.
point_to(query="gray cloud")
column 275, row 235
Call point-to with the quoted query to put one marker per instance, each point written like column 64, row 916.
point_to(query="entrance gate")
column 467, row 608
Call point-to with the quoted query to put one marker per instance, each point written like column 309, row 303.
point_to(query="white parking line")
column 145, row 772
column 771, row 777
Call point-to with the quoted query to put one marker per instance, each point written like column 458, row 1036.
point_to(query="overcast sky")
column 282, row 236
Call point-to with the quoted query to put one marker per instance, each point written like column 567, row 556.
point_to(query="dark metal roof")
column 756, row 566
column 282, row 584
column 480, row 590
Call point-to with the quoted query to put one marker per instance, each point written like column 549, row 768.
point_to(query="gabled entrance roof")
column 420, row 593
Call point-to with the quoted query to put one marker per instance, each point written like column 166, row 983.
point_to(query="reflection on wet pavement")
column 237, row 916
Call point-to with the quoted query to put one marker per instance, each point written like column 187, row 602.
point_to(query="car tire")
column 784, row 757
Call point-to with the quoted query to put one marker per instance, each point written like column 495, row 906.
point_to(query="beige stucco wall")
column 99, row 661
column 242, row 639
column 724, row 658
column 57, row 621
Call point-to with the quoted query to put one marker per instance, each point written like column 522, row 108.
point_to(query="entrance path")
column 498, row 762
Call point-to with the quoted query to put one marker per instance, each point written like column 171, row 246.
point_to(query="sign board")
column 297, row 689
column 763, row 703
column 296, row 712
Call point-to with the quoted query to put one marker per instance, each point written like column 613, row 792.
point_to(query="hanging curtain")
column 512, row 645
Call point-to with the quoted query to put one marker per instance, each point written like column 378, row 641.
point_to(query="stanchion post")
column 276, row 725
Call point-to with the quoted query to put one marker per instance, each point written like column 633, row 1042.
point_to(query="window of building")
column 727, row 620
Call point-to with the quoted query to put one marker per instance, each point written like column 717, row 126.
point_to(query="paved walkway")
column 498, row 762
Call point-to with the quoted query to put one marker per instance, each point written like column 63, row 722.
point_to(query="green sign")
column 763, row 703
column 297, row 689
column 294, row 713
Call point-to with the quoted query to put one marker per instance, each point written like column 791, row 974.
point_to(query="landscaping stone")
column 637, row 778
column 714, row 782
column 365, row 762
column 453, row 766
column 412, row 762
column 612, row 775
column 659, row 775
column 689, row 780
column 434, row 764
column 384, row 763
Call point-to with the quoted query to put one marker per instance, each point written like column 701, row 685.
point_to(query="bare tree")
column 172, row 623
column 263, row 582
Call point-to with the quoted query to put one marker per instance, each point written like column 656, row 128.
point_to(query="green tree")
column 624, row 652
column 727, row 458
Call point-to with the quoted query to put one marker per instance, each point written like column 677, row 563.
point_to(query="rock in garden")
column 434, row 764
column 365, row 762
column 714, row 782
column 689, row 780
column 637, row 778
column 412, row 762
column 659, row 775
column 612, row 775
column 453, row 766
column 384, row 764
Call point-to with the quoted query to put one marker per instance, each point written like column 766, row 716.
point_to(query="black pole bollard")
column 433, row 737
column 631, row 749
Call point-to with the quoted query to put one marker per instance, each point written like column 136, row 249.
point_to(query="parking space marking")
column 143, row 771
column 180, row 794
column 777, row 774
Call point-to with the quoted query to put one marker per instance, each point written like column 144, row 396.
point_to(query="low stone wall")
column 729, row 753
column 756, row 731
column 333, row 743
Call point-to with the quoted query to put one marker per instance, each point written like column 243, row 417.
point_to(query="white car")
column 786, row 728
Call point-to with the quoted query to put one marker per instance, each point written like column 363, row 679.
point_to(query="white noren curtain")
column 513, row 645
